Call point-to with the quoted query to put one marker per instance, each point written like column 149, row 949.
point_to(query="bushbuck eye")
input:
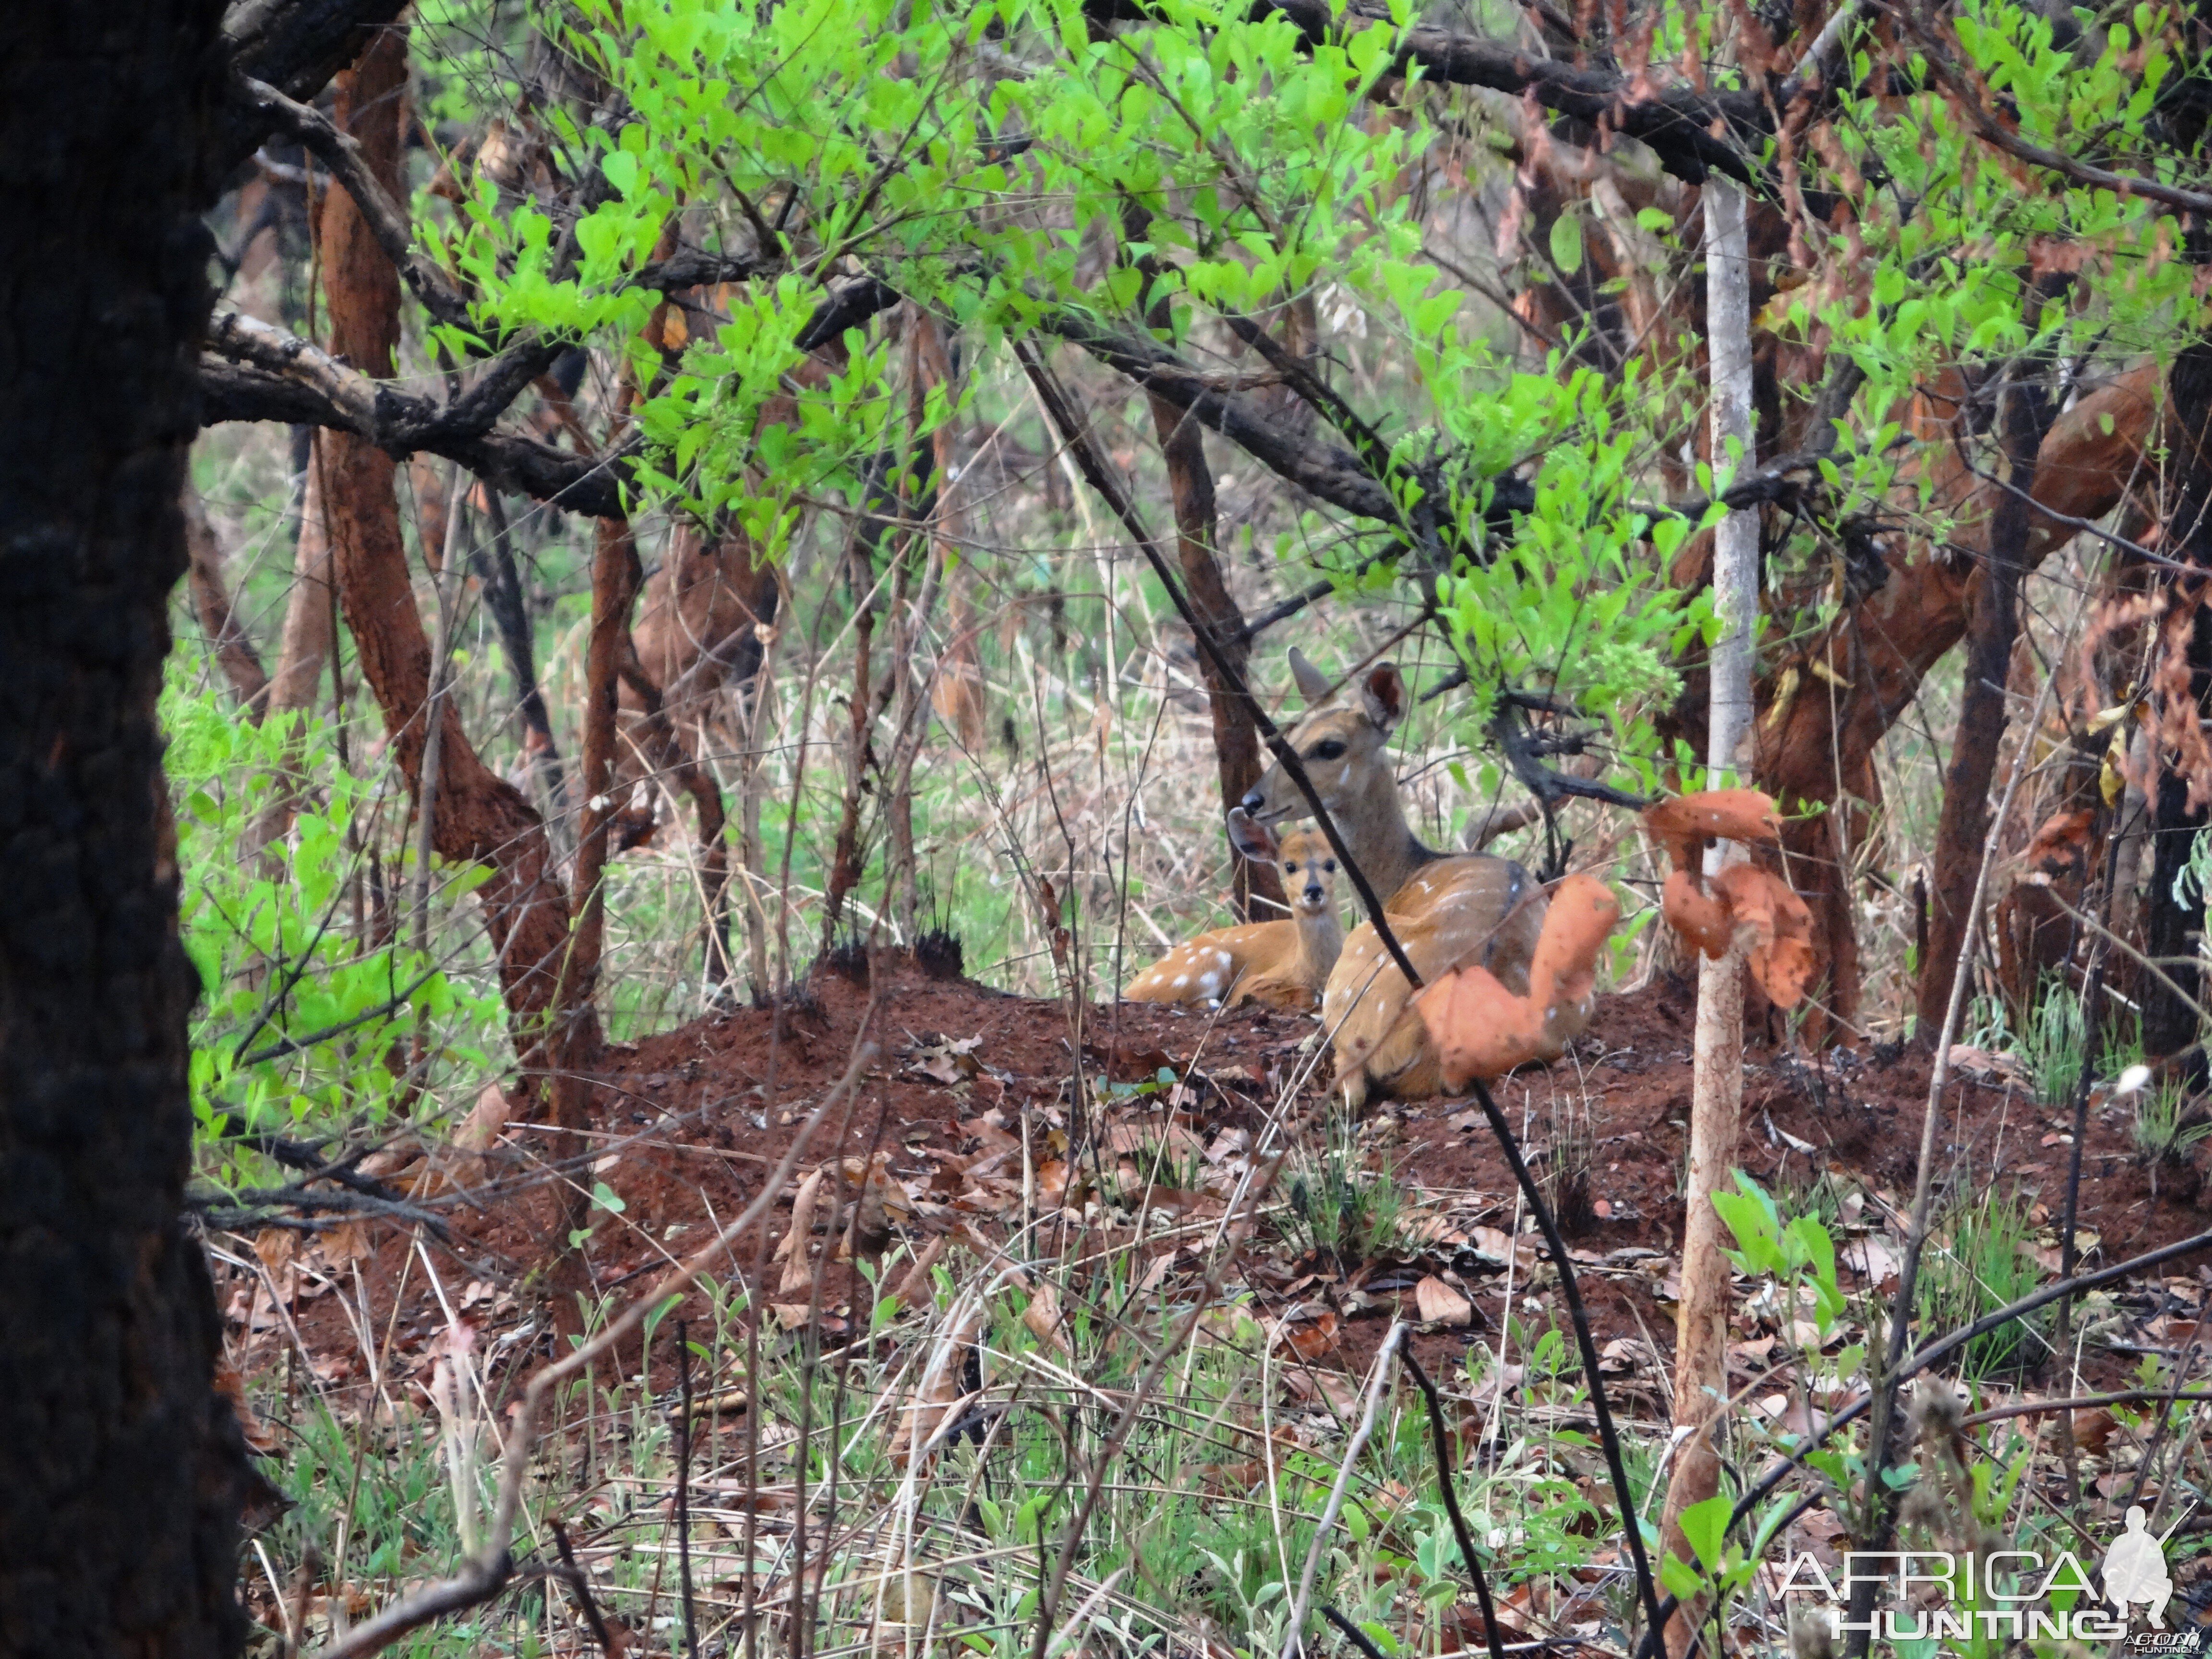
column 1330, row 866
column 1290, row 868
column 1330, row 749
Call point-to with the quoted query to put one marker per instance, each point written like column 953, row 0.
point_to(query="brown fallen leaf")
column 1043, row 1319
column 798, row 1274
column 1440, row 1305
column 1310, row 1341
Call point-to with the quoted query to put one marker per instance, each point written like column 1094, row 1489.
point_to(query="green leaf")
column 1704, row 1528
column 604, row 1197
column 1567, row 243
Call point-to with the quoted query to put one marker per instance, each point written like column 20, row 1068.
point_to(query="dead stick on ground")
column 1293, row 1637
column 486, row 1574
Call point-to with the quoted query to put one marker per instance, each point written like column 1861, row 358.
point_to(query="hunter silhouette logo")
column 2134, row 1571
column 2005, row 1594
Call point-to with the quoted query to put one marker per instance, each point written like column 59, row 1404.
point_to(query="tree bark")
column 121, row 1469
column 616, row 578
column 1825, row 706
column 310, row 609
column 1259, row 889
column 481, row 818
column 1963, row 820
column 2173, row 922
column 226, row 634
column 1717, row 1054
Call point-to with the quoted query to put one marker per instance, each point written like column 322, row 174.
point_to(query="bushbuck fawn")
column 1282, row 963
column 1446, row 909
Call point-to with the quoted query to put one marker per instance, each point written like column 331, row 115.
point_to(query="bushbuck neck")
column 1310, row 878
column 1345, row 749
column 1283, row 964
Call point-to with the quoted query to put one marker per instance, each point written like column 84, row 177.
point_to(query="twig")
column 2119, row 1397
column 487, row 1573
column 1094, row 468
column 1875, row 1518
column 1358, row 1444
column 1451, row 1503
column 1353, row 1634
column 342, row 153
column 1630, row 1526
column 683, row 1487
column 294, row 1045
column 1056, row 1585
column 582, row 1588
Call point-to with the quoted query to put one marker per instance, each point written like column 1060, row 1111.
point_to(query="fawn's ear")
column 1255, row 841
column 1382, row 694
column 1312, row 683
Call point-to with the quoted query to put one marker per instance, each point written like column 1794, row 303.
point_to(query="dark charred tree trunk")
column 2173, row 925
column 1962, row 825
column 121, row 1469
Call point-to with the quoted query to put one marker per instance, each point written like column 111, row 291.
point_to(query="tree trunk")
column 1236, row 738
column 226, row 634
column 1717, row 1063
column 121, row 1469
column 481, row 818
column 1825, row 705
column 2174, row 923
column 616, row 578
column 1963, row 822
column 310, row 610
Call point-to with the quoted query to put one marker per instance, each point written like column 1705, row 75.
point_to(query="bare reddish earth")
column 687, row 1123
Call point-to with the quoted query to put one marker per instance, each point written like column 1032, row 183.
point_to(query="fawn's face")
column 1308, row 874
column 1342, row 745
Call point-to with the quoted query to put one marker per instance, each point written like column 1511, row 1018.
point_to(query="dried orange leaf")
column 1696, row 916
column 1563, row 966
column 1480, row 1028
column 1043, row 1316
column 1684, row 824
column 1779, row 953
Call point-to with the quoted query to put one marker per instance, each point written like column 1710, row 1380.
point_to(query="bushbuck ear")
column 1312, row 683
column 1255, row 841
column 1382, row 694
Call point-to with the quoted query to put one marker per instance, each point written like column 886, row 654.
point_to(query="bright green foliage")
column 305, row 1023
column 1797, row 1252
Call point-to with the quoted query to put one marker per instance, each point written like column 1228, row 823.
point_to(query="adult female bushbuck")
column 1447, row 908
column 1281, row 963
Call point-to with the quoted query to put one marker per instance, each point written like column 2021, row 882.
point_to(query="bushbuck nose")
column 1253, row 801
column 1315, row 895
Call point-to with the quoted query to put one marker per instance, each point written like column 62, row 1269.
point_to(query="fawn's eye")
column 1330, row 866
column 1330, row 749
column 1290, row 869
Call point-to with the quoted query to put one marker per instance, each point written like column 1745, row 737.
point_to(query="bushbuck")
column 1446, row 909
column 1284, row 964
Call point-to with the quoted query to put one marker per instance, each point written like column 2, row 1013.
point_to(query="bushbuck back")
column 1284, row 964
column 1447, row 909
